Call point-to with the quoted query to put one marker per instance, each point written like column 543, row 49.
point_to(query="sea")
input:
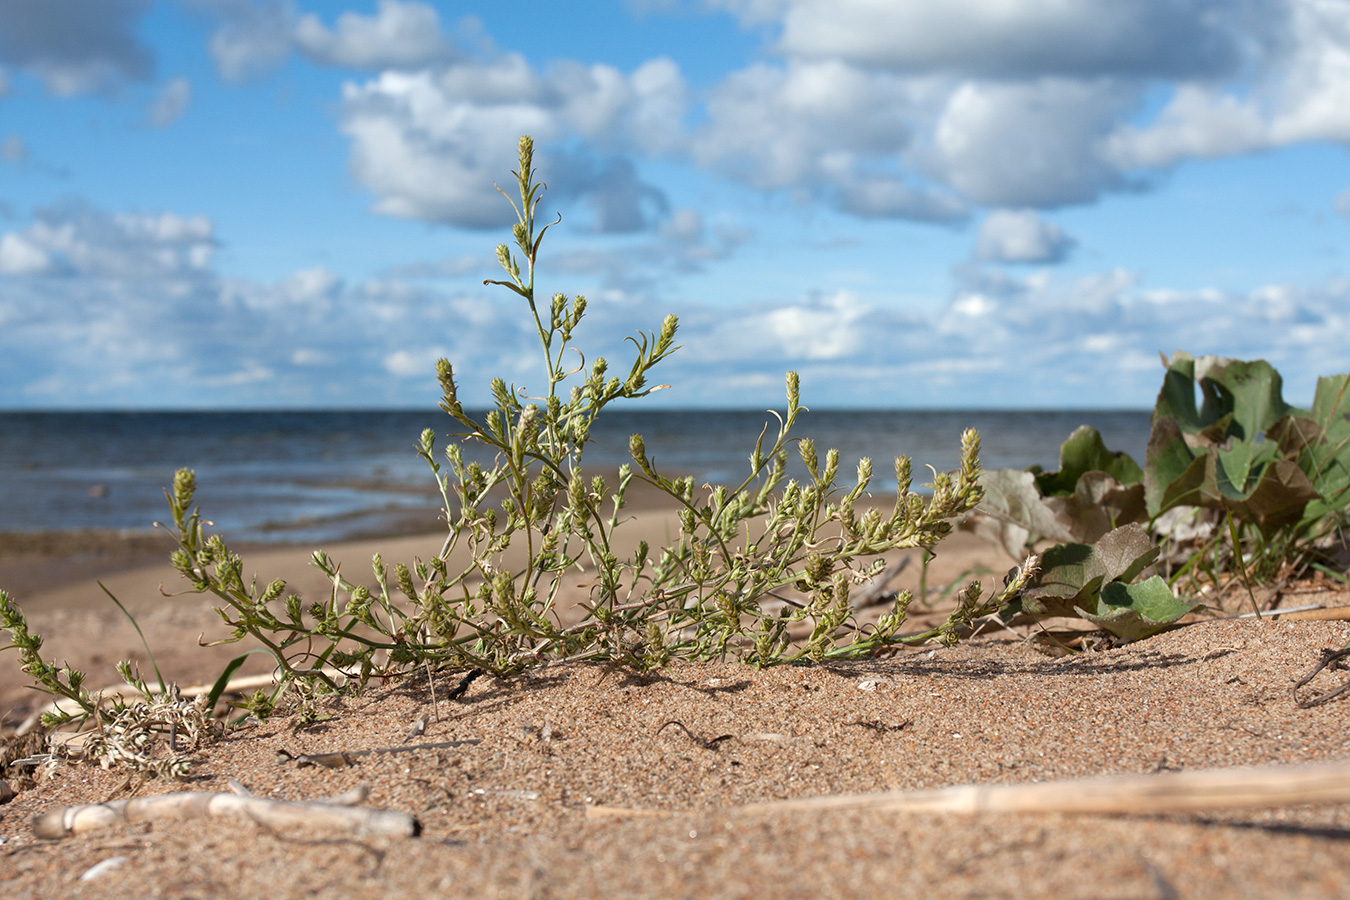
column 315, row 476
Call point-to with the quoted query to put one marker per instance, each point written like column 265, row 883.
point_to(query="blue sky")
column 974, row 203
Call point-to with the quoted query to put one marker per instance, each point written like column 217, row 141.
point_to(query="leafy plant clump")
column 127, row 734
column 1237, row 490
column 760, row 571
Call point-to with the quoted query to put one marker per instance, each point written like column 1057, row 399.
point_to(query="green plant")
column 516, row 528
column 126, row 733
column 1235, row 490
column 58, row 681
column 1277, row 476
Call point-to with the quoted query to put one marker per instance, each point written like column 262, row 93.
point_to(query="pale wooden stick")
column 1168, row 792
column 340, row 813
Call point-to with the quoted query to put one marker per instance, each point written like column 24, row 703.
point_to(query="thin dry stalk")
column 1168, row 792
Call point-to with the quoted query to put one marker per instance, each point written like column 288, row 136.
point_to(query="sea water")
column 326, row 475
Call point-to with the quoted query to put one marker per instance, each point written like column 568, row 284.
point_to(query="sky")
column 966, row 204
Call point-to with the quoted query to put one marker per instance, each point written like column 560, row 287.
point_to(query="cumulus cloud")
column 921, row 110
column 252, row 37
column 311, row 285
column 996, row 39
column 414, row 364
column 1298, row 92
column 429, row 144
column 399, row 36
column 907, row 110
column 1030, row 144
column 21, row 256
column 835, row 131
column 1033, row 341
column 104, row 308
column 76, row 239
column 620, row 200
column 76, row 47
column 110, row 308
column 171, row 103
column 1021, row 236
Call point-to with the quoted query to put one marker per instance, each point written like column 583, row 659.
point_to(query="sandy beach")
column 522, row 804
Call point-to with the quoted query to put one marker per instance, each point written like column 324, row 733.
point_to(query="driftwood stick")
column 1168, row 792
column 340, row 813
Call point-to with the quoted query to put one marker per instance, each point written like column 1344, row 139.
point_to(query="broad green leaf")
column 1084, row 452
column 1322, row 446
column 1073, row 574
column 1240, row 398
column 1125, row 552
column 1135, row 611
column 1241, row 464
column 1331, row 404
column 1176, row 398
column 1166, row 460
column 1251, row 390
column 1196, row 485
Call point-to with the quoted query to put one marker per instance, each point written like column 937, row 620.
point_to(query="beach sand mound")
column 518, row 798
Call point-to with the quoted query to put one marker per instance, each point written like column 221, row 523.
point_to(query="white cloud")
column 76, row 239
column 310, row 356
column 1021, row 236
column 620, row 200
column 400, row 36
column 1030, row 144
column 646, row 269
column 19, row 256
column 1299, row 90
column 430, row 144
column 253, row 38
column 899, row 109
column 828, row 128
column 104, row 308
column 826, row 329
column 919, row 110
column 1006, row 341
column 311, row 284
column 414, row 364
column 109, row 309
column 171, row 103
column 76, row 47
column 817, row 329
column 4, row 82
column 999, row 39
